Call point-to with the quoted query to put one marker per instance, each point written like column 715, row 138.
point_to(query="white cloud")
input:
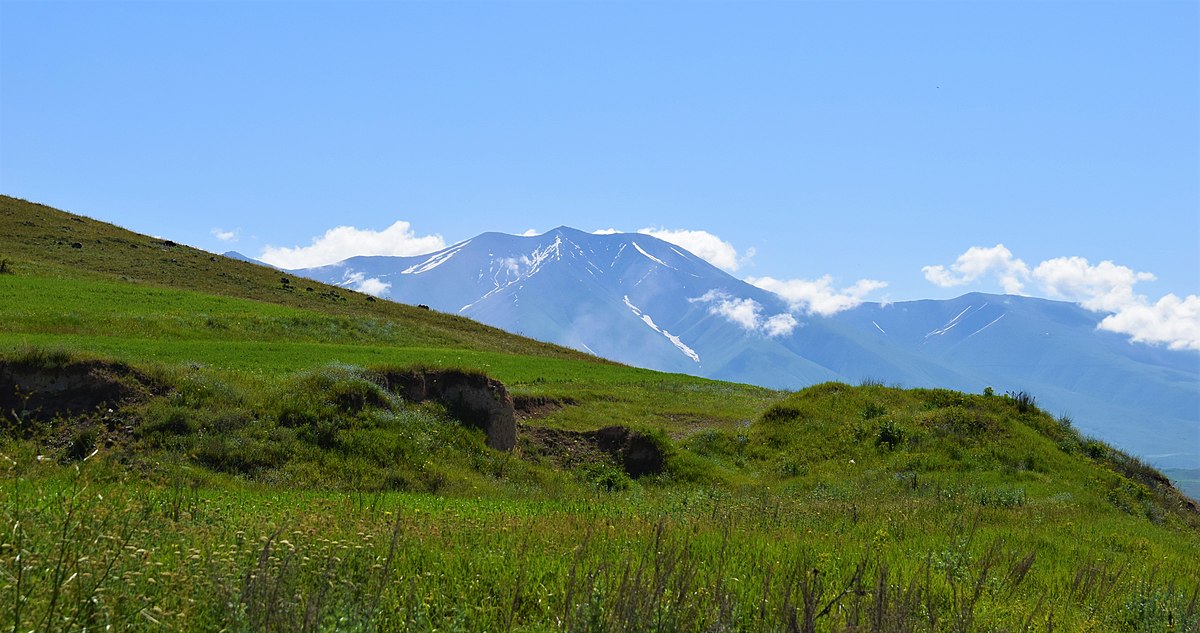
column 1108, row 287
column 818, row 296
column 977, row 262
column 225, row 236
column 744, row 312
column 702, row 244
column 1105, row 286
column 1173, row 321
column 369, row 285
column 747, row 313
column 780, row 325
column 705, row 245
column 342, row 242
column 531, row 233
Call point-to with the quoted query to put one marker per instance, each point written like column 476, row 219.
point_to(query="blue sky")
column 863, row 141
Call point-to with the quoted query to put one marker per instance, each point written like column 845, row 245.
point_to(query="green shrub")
column 1023, row 401
column 890, row 435
column 1095, row 449
column 606, row 477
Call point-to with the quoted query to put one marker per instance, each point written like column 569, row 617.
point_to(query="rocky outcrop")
column 472, row 398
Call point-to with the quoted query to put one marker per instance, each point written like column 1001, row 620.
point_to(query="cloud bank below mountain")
column 343, row 242
column 1104, row 287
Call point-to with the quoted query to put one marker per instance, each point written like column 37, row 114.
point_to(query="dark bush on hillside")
column 1023, row 400
column 890, row 435
column 781, row 413
column 607, row 477
column 1095, row 449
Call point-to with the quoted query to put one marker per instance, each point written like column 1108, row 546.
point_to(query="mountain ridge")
column 639, row 300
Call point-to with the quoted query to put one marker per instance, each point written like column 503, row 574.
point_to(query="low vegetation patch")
column 336, row 498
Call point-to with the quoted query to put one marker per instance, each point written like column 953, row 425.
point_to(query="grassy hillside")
column 225, row 452
column 45, row 242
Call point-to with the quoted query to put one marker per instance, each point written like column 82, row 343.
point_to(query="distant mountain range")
column 645, row 302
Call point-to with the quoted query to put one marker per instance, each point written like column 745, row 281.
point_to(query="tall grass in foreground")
column 84, row 550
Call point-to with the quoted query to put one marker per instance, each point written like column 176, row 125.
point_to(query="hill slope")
column 45, row 241
column 648, row 303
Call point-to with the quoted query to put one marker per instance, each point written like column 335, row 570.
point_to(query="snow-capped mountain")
column 645, row 302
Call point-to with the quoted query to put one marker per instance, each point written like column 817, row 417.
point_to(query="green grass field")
column 256, row 476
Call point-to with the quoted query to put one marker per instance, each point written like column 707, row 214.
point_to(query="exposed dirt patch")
column 533, row 407
column 72, row 389
column 75, row 407
column 474, row 399
column 636, row 453
column 566, row 449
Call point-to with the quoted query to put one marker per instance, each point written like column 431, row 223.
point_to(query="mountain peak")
column 567, row 231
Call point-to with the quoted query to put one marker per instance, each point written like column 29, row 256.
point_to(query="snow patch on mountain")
column 543, row 255
column 518, row 269
column 994, row 321
column 687, row 351
column 949, row 325
column 651, row 257
column 435, row 260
